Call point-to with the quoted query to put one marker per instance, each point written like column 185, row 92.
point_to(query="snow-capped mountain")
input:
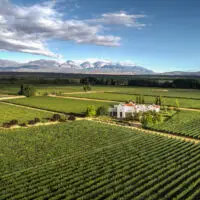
column 70, row 66
column 86, row 65
column 44, row 63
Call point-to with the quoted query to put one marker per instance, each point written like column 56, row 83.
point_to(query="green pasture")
column 58, row 104
column 10, row 112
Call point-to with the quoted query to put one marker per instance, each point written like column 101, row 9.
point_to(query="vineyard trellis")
column 101, row 162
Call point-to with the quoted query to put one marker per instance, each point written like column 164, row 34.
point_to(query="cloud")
column 119, row 18
column 28, row 29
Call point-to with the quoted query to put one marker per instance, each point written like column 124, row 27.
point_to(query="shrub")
column 62, row 120
column 101, row 111
column 31, row 122
column 45, row 94
column 87, row 88
column 90, row 111
column 23, row 124
column 72, row 118
column 37, row 120
column 6, row 125
column 13, row 122
column 56, row 117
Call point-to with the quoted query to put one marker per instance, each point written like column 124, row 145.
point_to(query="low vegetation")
column 27, row 90
column 186, row 123
column 22, row 115
column 88, row 160
column 70, row 106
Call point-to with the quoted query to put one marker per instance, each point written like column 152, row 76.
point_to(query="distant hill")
column 96, row 67
column 180, row 73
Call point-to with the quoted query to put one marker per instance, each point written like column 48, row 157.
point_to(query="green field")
column 185, row 123
column 42, row 89
column 9, row 112
column 185, row 103
column 87, row 160
column 58, row 104
column 168, row 92
column 165, row 92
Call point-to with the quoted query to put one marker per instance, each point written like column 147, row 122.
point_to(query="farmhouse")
column 124, row 110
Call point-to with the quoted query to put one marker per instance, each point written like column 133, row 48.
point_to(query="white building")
column 122, row 110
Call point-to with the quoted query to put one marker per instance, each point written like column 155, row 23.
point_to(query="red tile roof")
column 129, row 104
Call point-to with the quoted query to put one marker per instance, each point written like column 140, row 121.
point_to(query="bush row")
column 54, row 118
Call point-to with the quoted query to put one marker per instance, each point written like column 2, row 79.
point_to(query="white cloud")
column 119, row 18
column 28, row 28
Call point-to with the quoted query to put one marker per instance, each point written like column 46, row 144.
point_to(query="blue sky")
column 156, row 34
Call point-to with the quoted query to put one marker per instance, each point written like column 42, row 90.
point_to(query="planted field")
column 58, row 104
column 42, row 89
column 87, row 160
column 9, row 112
column 185, row 123
column 185, row 103
column 9, row 89
column 166, row 92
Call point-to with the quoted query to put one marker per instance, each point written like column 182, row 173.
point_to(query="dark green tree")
column 102, row 111
column 27, row 90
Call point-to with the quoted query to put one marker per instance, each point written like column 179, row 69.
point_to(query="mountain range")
column 85, row 67
column 70, row 66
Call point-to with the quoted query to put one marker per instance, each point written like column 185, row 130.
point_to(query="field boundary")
column 85, row 99
column 88, row 92
column 11, row 97
column 30, row 126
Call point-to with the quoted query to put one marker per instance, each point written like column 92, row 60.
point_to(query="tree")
column 101, row 111
column 142, row 101
column 87, row 88
column 21, row 91
column 160, row 101
column 156, row 100
column 157, row 118
column 147, row 120
column 27, row 90
column 90, row 111
column 137, row 99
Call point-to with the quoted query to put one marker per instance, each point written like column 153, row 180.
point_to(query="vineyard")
column 186, row 103
column 167, row 92
column 87, row 160
column 185, row 123
column 58, row 104
column 152, row 91
column 9, row 112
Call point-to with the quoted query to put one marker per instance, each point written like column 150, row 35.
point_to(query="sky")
column 161, row 35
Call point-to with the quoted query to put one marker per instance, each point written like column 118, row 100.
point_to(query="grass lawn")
column 58, row 104
column 9, row 112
